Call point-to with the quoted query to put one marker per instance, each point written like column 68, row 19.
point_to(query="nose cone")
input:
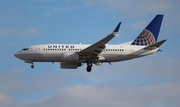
column 16, row 55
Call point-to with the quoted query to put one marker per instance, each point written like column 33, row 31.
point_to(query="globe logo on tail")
column 146, row 38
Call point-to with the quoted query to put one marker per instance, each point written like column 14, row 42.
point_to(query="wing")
column 95, row 49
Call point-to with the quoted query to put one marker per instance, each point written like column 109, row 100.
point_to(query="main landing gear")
column 89, row 66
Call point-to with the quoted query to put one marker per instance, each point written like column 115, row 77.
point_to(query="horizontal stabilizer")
column 156, row 45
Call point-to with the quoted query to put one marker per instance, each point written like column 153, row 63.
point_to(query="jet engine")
column 69, row 65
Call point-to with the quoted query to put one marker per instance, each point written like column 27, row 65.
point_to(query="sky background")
column 151, row 81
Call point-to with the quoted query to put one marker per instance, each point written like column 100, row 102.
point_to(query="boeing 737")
column 72, row 56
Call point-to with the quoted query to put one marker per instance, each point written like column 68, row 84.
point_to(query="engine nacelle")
column 70, row 56
column 68, row 65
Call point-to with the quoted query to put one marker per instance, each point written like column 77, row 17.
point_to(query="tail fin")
column 150, row 34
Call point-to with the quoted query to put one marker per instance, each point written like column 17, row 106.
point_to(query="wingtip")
column 117, row 27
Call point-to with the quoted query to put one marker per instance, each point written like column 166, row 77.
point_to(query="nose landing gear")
column 31, row 62
column 32, row 66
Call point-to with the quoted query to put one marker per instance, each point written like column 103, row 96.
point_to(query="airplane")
column 72, row 56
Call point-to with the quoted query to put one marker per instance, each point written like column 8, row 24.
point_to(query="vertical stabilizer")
column 150, row 34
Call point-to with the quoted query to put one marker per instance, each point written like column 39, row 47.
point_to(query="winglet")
column 117, row 27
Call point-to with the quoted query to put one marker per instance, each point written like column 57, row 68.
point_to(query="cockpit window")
column 25, row 49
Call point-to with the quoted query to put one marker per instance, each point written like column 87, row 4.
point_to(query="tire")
column 32, row 66
column 88, row 69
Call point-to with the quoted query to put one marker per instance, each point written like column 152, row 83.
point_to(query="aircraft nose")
column 16, row 55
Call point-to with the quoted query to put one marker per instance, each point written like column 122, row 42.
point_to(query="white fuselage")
column 54, row 52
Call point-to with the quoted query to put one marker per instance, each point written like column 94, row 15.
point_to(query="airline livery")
column 72, row 56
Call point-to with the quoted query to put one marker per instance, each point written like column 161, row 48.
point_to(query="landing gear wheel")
column 89, row 66
column 32, row 66
column 88, row 69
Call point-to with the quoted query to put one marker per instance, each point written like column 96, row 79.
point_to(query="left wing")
column 95, row 49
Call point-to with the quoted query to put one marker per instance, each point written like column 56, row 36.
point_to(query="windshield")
column 24, row 49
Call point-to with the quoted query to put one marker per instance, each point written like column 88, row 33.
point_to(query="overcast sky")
column 151, row 81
